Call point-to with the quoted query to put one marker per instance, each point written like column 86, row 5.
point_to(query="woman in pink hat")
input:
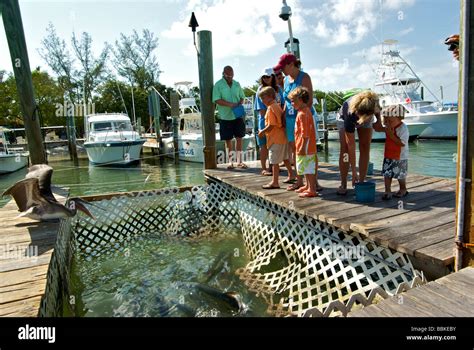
column 290, row 65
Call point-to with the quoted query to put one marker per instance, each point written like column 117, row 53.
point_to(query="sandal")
column 341, row 191
column 308, row 195
column 266, row 173
column 270, row 187
column 230, row 167
column 293, row 187
column 386, row 197
column 399, row 195
column 242, row 166
column 289, row 181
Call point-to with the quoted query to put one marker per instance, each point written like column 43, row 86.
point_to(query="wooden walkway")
column 421, row 226
column 23, row 277
column 450, row 296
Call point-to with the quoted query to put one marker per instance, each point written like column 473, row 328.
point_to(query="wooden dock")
column 421, row 225
column 450, row 296
column 23, row 277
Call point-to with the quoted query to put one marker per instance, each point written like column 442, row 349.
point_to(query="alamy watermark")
column 72, row 109
column 346, row 252
column 236, row 156
column 17, row 252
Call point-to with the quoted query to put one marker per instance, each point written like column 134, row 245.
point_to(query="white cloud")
column 406, row 31
column 374, row 53
column 342, row 76
column 342, row 22
column 239, row 28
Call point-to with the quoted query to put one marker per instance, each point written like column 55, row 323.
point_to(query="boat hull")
column 114, row 153
column 414, row 129
column 191, row 148
column 10, row 163
column 443, row 125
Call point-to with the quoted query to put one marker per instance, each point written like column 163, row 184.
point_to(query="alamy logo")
column 37, row 333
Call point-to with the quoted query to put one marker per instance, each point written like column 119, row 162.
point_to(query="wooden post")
column 72, row 136
column 464, row 209
column 156, row 108
column 325, row 122
column 174, row 101
column 21, row 68
column 206, row 84
column 255, row 131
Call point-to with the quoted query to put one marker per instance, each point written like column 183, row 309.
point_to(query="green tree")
column 109, row 99
column 48, row 94
column 134, row 58
column 93, row 70
column 251, row 90
column 73, row 80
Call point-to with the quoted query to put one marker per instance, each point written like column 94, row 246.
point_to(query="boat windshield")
column 102, row 126
column 122, row 126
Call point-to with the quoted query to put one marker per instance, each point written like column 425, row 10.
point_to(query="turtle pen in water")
column 298, row 265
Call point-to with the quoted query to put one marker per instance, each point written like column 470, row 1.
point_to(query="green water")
column 159, row 276
column 88, row 180
column 431, row 158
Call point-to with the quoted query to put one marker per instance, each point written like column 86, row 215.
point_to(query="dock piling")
column 206, row 84
column 21, row 67
column 174, row 100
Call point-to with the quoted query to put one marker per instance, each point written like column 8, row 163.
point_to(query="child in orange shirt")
column 395, row 163
column 305, row 140
column 276, row 136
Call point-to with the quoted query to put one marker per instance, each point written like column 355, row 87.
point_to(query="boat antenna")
column 416, row 75
column 164, row 99
column 133, row 105
column 123, row 102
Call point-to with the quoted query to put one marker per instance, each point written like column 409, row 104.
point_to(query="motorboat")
column 397, row 83
column 11, row 158
column 190, row 138
column 111, row 140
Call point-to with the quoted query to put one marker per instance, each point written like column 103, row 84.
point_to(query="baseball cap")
column 285, row 59
column 267, row 72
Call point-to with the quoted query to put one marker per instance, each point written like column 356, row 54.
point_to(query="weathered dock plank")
column 420, row 225
column 449, row 296
column 26, row 250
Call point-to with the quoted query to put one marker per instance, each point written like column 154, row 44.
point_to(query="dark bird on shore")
column 35, row 199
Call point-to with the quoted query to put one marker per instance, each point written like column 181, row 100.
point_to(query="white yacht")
column 397, row 83
column 11, row 159
column 111, row 140
column 190, row 139
column 415, row 129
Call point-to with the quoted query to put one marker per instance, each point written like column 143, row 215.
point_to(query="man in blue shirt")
column 228, row 94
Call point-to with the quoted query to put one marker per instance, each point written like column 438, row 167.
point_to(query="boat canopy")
column 107, row 117
column 401, row 82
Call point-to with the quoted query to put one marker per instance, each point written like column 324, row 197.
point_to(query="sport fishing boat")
column 190, row 139
column 111, row 140
column 11, row 159
column 414, row 129
column 397, row 83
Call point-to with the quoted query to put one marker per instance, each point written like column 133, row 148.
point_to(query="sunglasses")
column 266, row 76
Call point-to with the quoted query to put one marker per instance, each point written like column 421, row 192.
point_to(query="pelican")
column 35, row 199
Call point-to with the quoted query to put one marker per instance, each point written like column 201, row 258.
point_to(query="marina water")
column 159, row 276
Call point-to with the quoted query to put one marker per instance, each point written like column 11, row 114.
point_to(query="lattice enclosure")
column 299, row 265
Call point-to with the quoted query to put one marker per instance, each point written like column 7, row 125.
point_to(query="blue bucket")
column 370, row 169
column 365, row 192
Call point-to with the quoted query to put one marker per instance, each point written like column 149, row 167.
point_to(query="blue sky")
column 339, row 38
